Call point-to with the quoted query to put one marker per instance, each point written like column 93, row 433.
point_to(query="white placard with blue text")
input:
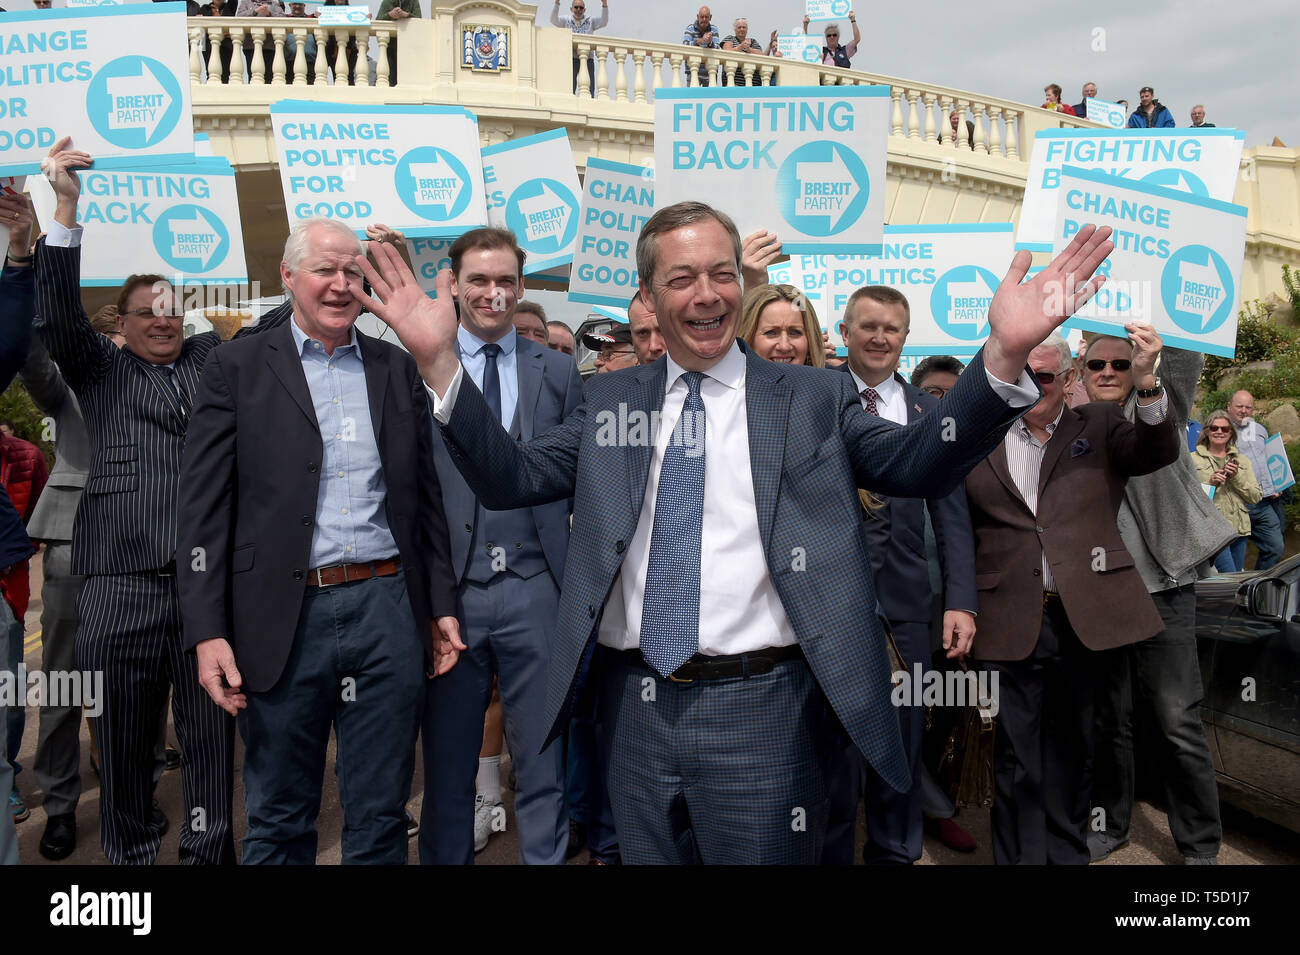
column 800, row 47
column 1279, row 465
column 948, row 273
column 1177, row 259
column 72, row 4
column 344, row 16
column 116, row 79
column 1111, row 114
column 364, row 164
column 532, row 190
column 1200, row 162
column 428, row 258
column 617, row 199
column 819, row 10
column 807, row 163
column 180, row 221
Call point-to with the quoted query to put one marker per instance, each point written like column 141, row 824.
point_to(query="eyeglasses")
column 1119, row 364
column 832, row 34
column 1047, row 377
column 936, row 391
column 611, row 354
column 1218, row 427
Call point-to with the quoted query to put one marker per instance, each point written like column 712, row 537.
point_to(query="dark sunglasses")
column 1119, row 364
column 832, row 34
column 1218, row 427
column 1047, row 377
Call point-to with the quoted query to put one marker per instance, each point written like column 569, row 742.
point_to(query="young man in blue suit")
column 508, row 566
column 718, row 566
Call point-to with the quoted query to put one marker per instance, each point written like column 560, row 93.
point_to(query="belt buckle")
column 320, row 581
column 677, row 679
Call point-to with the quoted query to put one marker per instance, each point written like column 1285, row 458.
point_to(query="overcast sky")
column 1238, row 58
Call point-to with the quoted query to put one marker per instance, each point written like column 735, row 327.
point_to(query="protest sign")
column 532, row 190
column 1112, row 114
column 818, row 10
column 178, row 221
column 805, row 162
column 948, row 274
column 9, row 186
column 428, row 258
column 71, row 4
column 800, row 47
column 617, row 199
column 364, row 164
column 1279, row 465
column 1201, row 162
column 1176, row 264
column 202, row 145
column 116, row 79
column 344, row 16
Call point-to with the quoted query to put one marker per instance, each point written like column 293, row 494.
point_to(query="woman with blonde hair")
column 779, row 323
column 1233, row 480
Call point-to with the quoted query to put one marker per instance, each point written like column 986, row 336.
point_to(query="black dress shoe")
column 160, row 819
column 60, row 836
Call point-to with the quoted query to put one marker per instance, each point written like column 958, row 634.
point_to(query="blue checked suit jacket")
column 811, row 447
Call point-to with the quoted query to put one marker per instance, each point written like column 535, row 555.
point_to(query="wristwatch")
column 1151, row 392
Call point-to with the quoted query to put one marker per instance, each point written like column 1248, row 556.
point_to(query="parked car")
column 1248, row 636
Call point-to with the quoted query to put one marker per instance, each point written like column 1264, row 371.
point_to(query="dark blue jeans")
column 1158, row 679
column 1232, row 558
column 357, row 664
column 1266, row 526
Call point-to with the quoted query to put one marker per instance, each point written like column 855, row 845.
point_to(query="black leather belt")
column 701, row 667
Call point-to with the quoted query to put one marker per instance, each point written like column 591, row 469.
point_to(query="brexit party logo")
column 1179, row 179
column 1278, row 470
column 960, row 302
column 812, row 53
column 1196, row 288
column 543, row 213
column 822, row 188
column 191, row 239
column 433, row 183
column 134, row 102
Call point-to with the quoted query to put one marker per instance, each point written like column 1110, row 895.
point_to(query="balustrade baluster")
column 913, row 125
column 277, row 61
column 620, row 75
column 236, row 56
column 981, row 144
column 602, row 72
column 382, row 72
column 638, row 81
column 584, row 80
column 929, row 118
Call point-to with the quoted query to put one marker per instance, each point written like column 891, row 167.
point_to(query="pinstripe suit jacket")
column 126, row 521
column 805, row 491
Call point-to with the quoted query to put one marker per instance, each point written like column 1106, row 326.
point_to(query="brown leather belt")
column 347, row 573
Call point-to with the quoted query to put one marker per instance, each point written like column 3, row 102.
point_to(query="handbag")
column 960, row 752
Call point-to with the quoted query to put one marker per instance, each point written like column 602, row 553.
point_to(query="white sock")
column 488, row 782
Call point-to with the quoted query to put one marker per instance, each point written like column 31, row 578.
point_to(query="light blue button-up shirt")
column 475, row 362
column 351, row 522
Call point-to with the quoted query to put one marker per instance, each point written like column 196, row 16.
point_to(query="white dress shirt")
column 474, row 361
column 737, row 595
column 892, row 403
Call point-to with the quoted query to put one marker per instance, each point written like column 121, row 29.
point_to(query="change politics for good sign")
column 805, row 162
column 617, row 199
column 116, row 79
column 364, row 164
column 1176, row 264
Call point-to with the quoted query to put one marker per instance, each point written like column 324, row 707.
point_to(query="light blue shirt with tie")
column 474, row 362
column 351, row 520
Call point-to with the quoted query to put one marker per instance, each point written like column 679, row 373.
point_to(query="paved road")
column 1247, row 840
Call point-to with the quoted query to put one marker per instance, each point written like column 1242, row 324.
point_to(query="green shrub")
column 1258, row 339
column 29, row 423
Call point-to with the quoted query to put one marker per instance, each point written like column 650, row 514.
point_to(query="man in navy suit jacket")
column 717, row 751
column 875, row 326
column 508, row 567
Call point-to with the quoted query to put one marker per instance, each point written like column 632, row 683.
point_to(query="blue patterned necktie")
column 492, row 379
column 670, row 613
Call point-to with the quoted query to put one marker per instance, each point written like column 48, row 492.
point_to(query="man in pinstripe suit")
column 136, row 403
column 718, row 728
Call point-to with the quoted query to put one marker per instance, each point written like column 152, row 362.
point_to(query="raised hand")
column 16, row 215
column 1146, row 349
column 427, row 327
column 59, row 168
column 759, row 250
column 1024, row 313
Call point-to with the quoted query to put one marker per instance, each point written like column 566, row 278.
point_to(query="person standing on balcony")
column 219, row 8
column 832, row 53
column 578, row 21
column 1198, row 117
column 397, row 11
column 741, row 42
column 701, row 33
column 1053, row 93
column 332, row 48
column 298, row 11
column 1151, row 113
column 1089, row 92
column 260, row 8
